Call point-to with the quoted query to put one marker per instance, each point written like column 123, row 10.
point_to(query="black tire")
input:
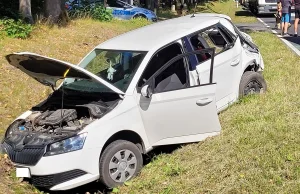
column 252, row 83
column 141, row 16
column 108, row 157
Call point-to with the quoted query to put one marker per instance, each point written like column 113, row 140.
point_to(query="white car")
column 161, row 84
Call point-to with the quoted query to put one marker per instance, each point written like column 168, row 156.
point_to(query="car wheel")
column 120, row 161
column 252, row 83
column 140, row 16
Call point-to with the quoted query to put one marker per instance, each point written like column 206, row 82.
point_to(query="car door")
column 176, row 112
column 226, row 62
column 120, row 10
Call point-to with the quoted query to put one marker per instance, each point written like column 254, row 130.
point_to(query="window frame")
column 217, row 26
column 150, row 82
column 160, row 49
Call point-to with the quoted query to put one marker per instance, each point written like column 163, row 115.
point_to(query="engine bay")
column 50, row 121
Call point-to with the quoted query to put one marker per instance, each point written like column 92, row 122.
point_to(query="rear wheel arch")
column 140, row 15
column 251, row 66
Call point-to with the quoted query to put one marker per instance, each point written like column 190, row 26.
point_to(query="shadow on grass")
column 164, row 14
column 249, row 29
column 244, row 13
column 99, row 188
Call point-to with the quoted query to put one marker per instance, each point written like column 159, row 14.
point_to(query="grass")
column 258, row 149
column 238, row 15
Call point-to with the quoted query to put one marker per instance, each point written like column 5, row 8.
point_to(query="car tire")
column 140, row 16
column 252, row 83
column 120, row 161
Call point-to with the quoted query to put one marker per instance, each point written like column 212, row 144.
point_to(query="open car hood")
column 48, row 70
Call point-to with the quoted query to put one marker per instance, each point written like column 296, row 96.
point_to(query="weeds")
column 15, row 28
column 97, row 12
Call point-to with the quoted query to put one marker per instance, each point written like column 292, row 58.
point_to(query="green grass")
column 258, row 150
column 238, row 15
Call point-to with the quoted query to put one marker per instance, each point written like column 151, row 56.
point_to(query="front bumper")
column 48, row 181
column 59, row 172
column 154, row 19
column 267, row 9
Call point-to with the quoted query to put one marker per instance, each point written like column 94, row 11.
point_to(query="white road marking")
column 261, row 20
column 274, row 32
column 280, row 37
column 291, row 46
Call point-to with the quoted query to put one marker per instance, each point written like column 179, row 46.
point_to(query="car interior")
column 173, row 77
column 123, row 73
column 217, row 38
column 199, row 43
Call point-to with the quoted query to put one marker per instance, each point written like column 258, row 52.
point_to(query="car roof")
column 159, row 34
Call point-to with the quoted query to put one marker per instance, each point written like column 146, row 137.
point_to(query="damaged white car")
column 161, row 84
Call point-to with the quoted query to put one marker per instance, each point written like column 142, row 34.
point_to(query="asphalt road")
column 270, row 22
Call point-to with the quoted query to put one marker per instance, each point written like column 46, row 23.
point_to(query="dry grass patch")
column 18, row 91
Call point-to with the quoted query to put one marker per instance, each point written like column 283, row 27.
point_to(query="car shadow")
column 98, row 188
column 249, row 29
column 244, row 13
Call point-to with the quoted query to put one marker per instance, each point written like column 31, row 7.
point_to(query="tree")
column 55, row 12
column 25, row 10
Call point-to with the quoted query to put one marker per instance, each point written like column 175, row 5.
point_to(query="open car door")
column 173, row 111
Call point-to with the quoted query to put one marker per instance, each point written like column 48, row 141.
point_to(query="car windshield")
column 115, row 67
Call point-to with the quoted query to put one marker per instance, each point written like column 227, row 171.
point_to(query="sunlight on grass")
column 238, row 15
column 258, row 149
column 18, row 91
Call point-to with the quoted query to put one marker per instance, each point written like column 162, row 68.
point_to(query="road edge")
column 286, row 42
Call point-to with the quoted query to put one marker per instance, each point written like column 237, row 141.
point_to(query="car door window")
column 158, row 60
column 172, row 78
column 229, row 36
column 210, row 38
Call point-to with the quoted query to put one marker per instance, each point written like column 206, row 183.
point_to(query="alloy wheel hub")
column 122, row 166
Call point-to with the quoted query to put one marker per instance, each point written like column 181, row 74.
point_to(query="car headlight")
column 67, row 145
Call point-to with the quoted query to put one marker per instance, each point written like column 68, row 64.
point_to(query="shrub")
column 15, row 28
column 101, row 13
column 97, row 12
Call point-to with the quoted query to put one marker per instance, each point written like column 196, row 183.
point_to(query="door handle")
column 235, row 62
column 204, row 101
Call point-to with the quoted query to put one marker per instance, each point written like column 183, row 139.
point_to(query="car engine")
column 49, row 122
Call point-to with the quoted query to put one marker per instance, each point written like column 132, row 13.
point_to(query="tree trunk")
column 55, row 12
column 25, row 10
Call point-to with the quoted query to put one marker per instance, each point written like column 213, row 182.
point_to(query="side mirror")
column 228, row 46
column 146, row 91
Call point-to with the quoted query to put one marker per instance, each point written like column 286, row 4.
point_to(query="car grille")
column 48, row 181
column 28, row 155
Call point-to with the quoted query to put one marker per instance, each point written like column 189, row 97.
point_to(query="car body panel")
column 123, row 11
column 161, row 111
column 48, row 70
